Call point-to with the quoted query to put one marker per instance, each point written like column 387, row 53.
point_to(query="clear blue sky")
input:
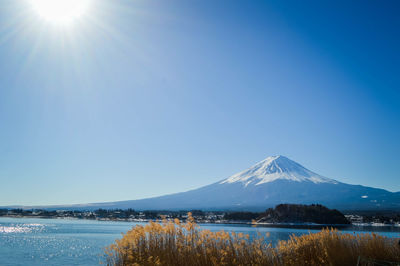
column 143, row 98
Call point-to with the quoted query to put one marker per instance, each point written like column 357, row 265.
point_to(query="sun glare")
column 60, row 11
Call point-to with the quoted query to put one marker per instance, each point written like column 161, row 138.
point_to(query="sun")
column 60, row 11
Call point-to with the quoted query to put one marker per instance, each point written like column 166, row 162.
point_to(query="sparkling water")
column 31, row 241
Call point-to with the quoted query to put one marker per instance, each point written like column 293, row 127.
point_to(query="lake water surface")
column 31, row 241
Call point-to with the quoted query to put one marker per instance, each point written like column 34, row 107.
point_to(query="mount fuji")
column 272, row 181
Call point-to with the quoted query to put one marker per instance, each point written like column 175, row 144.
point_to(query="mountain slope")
column 272, row 181
column 277, row 168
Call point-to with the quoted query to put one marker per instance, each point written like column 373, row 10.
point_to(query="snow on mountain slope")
column 275, row 168
column 268, row 183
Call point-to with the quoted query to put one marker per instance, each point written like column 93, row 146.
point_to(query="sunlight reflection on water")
column 14, row 229
column 37, row 242
column 21, row 228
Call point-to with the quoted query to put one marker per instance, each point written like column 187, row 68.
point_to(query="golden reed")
column 173, row 243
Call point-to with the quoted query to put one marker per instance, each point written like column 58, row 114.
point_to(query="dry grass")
column 173, row 243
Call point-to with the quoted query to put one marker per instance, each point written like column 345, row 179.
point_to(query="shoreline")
column 222, row 222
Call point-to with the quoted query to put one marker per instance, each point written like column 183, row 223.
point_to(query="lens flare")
column 60, row 11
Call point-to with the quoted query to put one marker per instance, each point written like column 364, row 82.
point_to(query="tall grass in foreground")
column 173, row 243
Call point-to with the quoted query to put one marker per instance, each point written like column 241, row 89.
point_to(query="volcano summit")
column 270, row 182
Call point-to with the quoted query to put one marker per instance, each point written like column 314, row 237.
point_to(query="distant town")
column 357, row 218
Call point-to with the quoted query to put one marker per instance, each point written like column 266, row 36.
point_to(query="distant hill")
column 273, row 181
column 295, row 213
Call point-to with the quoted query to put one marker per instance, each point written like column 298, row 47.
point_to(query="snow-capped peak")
column 276, row 167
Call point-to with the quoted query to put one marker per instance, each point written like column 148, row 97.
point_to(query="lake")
column 31, row 241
